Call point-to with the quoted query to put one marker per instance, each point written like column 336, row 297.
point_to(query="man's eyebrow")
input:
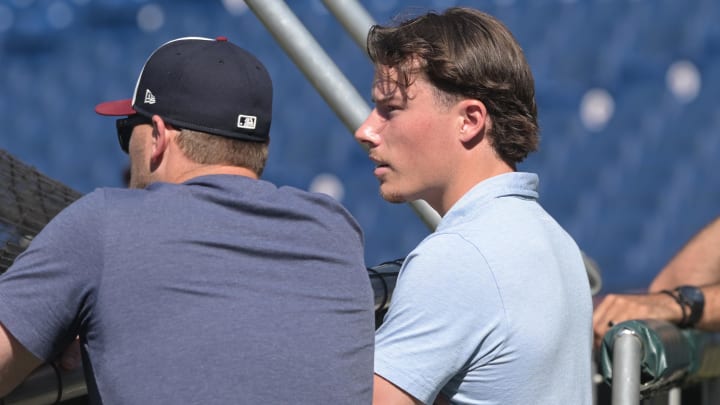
column 384, row 98
column 383, row 90
column 380, row 100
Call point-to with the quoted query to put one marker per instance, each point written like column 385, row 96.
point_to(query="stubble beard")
column 392, row 197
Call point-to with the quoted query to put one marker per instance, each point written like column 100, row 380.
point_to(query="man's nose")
column 368, row 133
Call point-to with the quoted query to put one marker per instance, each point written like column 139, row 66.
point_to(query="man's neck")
column 206, row 170
column 468, row 178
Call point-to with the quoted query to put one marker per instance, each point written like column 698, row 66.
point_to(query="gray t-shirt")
column 220, row 290
column 493, row 308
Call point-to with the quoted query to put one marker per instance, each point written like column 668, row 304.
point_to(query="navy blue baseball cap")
column 203, row 84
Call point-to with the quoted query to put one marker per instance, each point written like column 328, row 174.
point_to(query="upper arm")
column 386, row 393
column 16, row 362
column 444, row 318
column 47, row 292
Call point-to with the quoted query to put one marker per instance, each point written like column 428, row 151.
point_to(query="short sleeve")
column 446, row 315
column 46, row 293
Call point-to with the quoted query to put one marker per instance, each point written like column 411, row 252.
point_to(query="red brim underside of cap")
column 115, row 108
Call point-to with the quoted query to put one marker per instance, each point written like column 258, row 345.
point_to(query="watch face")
column 694, row 298
column 692, row 294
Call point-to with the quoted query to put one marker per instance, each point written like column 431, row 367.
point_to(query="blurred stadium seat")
column 631, row 187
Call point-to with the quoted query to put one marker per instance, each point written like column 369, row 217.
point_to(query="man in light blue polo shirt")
column 494, row 307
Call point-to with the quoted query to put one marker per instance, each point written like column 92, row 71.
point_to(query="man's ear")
column 473, row 120
column 161, row 137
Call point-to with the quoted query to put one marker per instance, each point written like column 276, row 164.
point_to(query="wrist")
column 673, row 310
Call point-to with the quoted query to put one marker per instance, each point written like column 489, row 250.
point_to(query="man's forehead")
column 384, row 90
column 387, row 84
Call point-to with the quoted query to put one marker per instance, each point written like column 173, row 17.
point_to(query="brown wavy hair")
column 465, row 53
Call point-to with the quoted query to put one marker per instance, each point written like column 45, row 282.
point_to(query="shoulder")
column 446, row 265
column 102, row 200
column 308, row 197
column 80, row 223
column 89, row 207
column 447, row 250
column 319, row 205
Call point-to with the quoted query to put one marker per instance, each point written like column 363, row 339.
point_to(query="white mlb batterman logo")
column 247, row 121
column 149, row 97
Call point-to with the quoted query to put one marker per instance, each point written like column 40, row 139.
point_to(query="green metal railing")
column 643, row 359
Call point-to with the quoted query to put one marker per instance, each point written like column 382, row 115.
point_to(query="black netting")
column 28, row 201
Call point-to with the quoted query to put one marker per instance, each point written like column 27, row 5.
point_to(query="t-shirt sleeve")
column 446, row 315
column 45, row 294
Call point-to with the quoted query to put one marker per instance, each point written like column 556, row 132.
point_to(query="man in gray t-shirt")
column 200, row 283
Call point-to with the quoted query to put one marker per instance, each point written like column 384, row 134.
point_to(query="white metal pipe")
column 675, row 396
column 627, row 356
column 323, row 74
column 354, row 17
column 312, row 60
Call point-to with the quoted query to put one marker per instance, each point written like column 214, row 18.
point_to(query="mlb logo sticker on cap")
column 247, row 121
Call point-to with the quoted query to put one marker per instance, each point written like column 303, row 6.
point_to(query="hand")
column 616, row 308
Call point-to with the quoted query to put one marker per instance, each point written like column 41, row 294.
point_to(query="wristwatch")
column 690, row 297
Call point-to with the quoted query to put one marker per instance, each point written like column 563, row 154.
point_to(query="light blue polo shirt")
column 494, row 307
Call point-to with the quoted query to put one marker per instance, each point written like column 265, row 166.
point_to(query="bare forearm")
column 16, row 362
column 710, row 319
column 697, row 263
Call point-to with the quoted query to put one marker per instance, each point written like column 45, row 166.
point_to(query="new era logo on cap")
column 149, row 97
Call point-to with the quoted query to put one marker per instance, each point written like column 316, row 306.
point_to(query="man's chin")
column 391, row 197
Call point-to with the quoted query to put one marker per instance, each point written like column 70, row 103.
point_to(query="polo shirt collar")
column 519, row 184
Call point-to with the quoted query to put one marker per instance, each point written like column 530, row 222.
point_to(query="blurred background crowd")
column 627, row 92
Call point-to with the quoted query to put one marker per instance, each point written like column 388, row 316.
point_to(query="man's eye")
column 389, row 108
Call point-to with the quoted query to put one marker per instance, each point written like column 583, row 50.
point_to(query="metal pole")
column 675, row 396
column 627, row 355
column 307, row 54
column 48, row 385
column 353, row 16
column 357, row 22
column 323, row 74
